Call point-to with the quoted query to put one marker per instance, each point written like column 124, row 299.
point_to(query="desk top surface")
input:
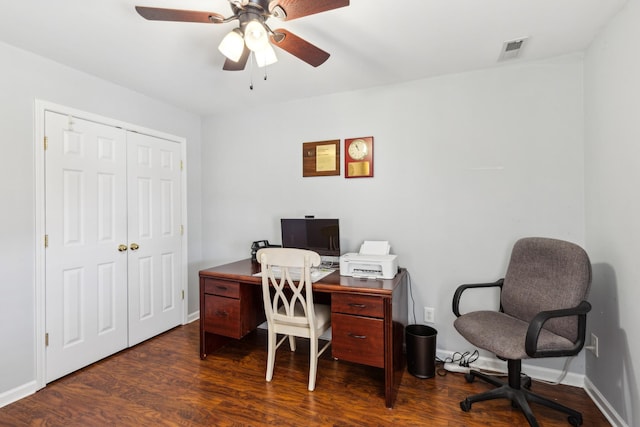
column 244, row 270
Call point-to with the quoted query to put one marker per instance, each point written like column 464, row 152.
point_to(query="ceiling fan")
column 253, row 34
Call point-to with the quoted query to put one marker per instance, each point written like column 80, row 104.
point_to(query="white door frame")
column 39, row 286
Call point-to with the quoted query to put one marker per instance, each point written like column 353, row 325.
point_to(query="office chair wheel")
column 575, row 421
column 465, row 405
column 469, row 377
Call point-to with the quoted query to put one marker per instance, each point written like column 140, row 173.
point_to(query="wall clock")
column 358, row 157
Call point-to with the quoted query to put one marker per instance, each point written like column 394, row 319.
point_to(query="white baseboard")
column 17, row 393
column 192, row 317
column 605, row 407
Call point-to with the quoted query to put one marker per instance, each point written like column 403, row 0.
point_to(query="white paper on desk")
column 375, row 247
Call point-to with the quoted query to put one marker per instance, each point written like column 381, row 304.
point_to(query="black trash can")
column 421, row 350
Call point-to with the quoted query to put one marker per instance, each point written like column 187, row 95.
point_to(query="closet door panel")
column 155, row 241
column 85, row 222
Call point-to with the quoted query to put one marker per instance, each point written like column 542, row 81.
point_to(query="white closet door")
column 86, row 274
column 154, row 187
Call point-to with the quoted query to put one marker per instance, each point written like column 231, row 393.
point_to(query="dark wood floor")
column 163, row 382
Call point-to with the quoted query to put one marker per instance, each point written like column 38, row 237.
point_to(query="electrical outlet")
column 429, row 315
column 594, row 345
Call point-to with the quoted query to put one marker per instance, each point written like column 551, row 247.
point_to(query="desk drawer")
column 361, row 305
column 358, row 339
column 224, row 288
column 222, row 316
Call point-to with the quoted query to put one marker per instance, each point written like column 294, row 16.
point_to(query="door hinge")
column 46, row 143
column 183, row 294
column 46, row 241
column 181, row 165
column 46, row 339
column 182, row 230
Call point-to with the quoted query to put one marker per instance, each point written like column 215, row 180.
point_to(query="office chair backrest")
column 546, row 274
column 289, row 289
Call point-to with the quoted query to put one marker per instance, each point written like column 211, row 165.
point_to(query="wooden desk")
column 368, row 316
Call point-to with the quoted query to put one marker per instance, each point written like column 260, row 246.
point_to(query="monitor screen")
column 316, row 234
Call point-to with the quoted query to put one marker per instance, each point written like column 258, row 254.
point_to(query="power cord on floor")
column 462, row 363
column 458, row 362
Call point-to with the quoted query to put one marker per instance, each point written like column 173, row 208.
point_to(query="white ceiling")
column 371, row 42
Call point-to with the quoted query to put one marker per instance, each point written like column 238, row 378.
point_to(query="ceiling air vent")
column 511, row 48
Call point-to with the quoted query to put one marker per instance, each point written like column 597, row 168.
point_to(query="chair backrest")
column 286, row 282
column 546, row 274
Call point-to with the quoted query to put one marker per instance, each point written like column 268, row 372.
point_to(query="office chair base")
column 519, row 397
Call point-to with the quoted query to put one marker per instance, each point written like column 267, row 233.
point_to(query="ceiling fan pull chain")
column 251, row 71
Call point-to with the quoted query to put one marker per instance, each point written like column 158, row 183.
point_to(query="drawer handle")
column 221, row 313
column 360, row 337
column 222, row 288
column 355, row 305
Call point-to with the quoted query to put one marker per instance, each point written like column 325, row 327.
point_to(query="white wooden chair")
column 288, row 304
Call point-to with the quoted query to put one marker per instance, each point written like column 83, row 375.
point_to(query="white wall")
column 23, row 78
column 464, row 165
column 612, row 148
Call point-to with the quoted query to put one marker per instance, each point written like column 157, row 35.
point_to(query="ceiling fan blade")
column 298, row 8
column 229, row 65
column 159, row 14
column 301, row 48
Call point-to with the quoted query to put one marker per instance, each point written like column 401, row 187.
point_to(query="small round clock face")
column 358, row 149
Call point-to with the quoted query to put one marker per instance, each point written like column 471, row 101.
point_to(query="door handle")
column 134, row 246
column 122, row 248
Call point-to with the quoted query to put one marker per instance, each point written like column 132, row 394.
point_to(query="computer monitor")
column 315, row 234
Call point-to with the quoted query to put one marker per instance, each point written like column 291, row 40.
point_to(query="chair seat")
column 322, row 312
column 480, row 327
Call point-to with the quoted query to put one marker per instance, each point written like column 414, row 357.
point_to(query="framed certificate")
column 321, row 158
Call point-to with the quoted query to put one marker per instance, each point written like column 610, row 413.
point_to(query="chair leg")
column 575, row 417
column 486, row 378
column 292, row 342
column 314, row 354
column 519, row 397
column 313, row 362
column 271, row 354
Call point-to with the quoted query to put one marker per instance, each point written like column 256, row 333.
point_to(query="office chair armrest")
column 458, row 294
column 531, row 341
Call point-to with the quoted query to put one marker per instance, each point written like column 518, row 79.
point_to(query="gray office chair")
column 543, row 313
column 289, row 306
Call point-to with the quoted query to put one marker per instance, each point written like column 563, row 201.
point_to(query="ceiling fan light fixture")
column 232, row 45
column 255, row 36
column 265, row 56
